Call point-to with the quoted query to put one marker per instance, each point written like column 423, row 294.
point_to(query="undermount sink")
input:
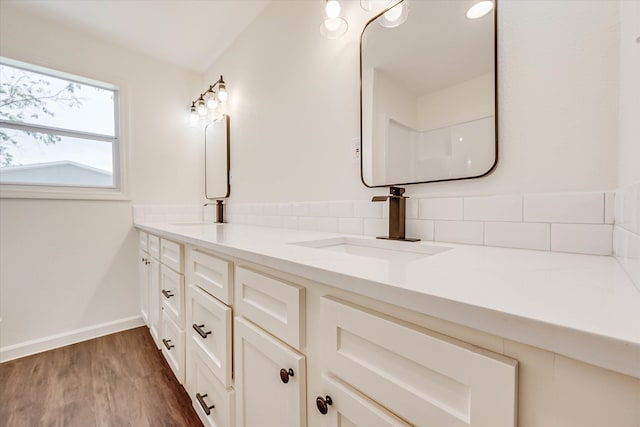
column 374, row 248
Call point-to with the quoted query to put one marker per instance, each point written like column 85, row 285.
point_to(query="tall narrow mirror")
column 216, row 171
column 428, row 93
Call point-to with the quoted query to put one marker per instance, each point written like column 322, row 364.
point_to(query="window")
column 57, row 131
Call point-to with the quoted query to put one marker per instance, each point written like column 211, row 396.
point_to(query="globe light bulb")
column 202, row 108
column 212, row 104
column 332, row 9
column 223, row 96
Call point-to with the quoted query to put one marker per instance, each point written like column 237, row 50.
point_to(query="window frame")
column 62, row 191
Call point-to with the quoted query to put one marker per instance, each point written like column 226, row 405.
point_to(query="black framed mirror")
column 428, row 93
column 216, row 159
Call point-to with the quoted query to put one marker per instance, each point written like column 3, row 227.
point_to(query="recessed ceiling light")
column 480, row 9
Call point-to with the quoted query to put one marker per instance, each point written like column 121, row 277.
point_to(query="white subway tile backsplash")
column 308, row 223
column 367, row 209
column 341, row 209
column 523, row 235
column 285, row 209
column 412, row 209
column 589, row 239
column 420, row 228
column 450, row 208
column 300, row 209
column 350, row 225
column 575, row 208
column 328, row 224
column 270, row 209
column 275, row 221
column 290, row 222
column 494, row 208
column 609, row 207
column 375, row 227
column 470, row 232
column 319, row 209
column 567, row 222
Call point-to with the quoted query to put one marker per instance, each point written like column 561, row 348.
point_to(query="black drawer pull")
column 167, row 343
column 284, row 375
column 198, row 329
column 207, row 408
column 323, row 404
column 167, row 294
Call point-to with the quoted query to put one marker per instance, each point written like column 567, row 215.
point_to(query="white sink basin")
column 389, row 250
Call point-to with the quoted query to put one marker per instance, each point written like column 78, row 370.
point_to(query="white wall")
column 629, row 166
column 295, row 107
column 67, row 265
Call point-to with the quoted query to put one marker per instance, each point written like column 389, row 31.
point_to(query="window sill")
column 58, row 193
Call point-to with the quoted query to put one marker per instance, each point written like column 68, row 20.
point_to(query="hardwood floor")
column 116, row 380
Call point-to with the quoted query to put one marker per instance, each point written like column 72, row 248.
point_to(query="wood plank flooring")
column 116, row 380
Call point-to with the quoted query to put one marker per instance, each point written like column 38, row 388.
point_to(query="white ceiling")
column 189, row 33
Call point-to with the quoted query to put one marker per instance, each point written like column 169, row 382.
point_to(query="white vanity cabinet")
column 425, row 378
column 149, row 284
column 270, row 368
column 143, row 275
column 209, row 347
column 171, row 295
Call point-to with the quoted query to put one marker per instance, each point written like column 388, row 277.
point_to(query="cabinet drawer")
column 351, row 408
column 172, row 294
column 171, row 255
column 270, row 379
column 423, row 377
column 173, row 346
column 143, row 239
column 153, row 247
column 275, row 305
column 208, row 395
column 212, row 274
column 209, row 330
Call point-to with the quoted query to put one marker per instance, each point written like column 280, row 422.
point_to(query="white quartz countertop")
column 580, row 306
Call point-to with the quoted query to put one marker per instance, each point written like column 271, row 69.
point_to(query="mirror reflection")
column 428, row 94
column 216, row 173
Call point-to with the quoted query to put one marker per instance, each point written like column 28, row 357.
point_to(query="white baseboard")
column 28, row 348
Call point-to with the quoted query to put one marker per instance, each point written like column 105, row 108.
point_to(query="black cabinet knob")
column 323, row 404
column 285, row 374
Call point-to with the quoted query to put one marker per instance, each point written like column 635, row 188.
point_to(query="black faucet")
column 397, row 214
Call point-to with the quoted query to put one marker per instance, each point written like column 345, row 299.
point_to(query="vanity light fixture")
column 333, row 25
column 210, row 103
column 396, row 15
column 480, row 9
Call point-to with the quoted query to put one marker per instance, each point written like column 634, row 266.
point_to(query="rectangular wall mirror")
column 216, row 155
column 428, row 94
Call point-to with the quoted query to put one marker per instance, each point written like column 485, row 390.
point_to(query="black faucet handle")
column 397, row 191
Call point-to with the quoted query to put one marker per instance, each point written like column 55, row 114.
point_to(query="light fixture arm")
column 219, row 82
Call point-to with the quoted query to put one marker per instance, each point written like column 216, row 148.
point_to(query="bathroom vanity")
column 290, row 328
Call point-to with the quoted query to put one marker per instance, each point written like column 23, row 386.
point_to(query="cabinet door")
column 426, row 378
column 143, row 283
column 262, row 365
column 155, row 304
column 346, row 407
